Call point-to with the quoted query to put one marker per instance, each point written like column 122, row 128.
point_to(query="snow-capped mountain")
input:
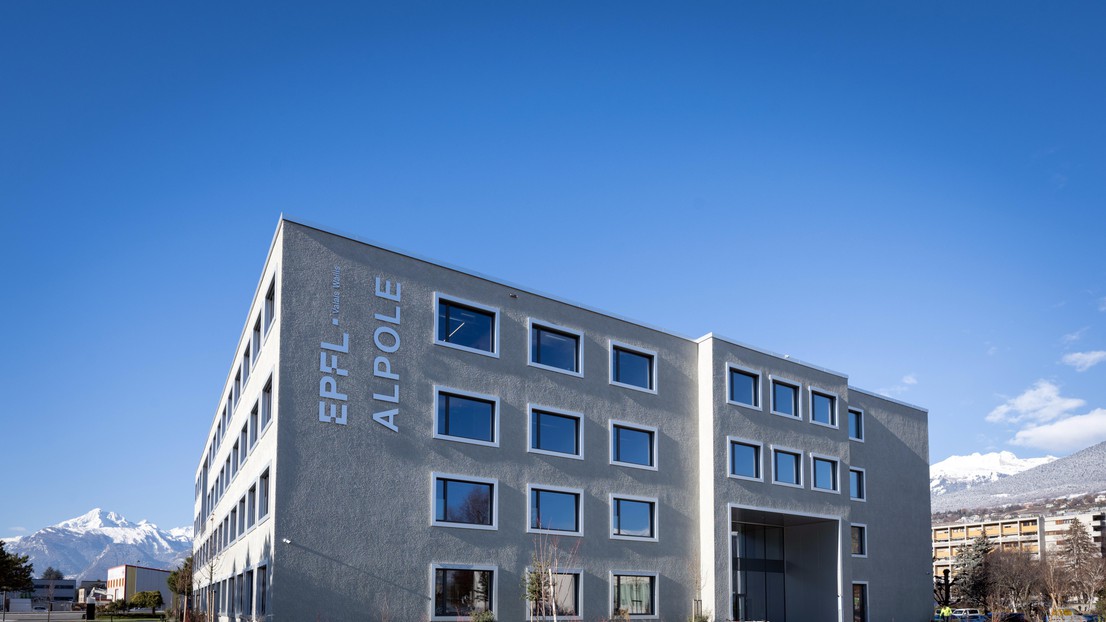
column 963, row 472
column 1082, row 473
column 86, row 546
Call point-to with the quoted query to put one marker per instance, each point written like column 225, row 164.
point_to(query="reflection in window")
column 465, row 326
column 560, row 595
column 859, row 540
column 466, row 417
column 462, row 592
column 468, row 503
column 788, row 468
column 554, row 348
column 632, row 446
column 744, row 388
column 633, row 518
column 745, row 460
column 825, row 474
column 555, row 432
column 856, row 425
column 856, row 484
column 632, row 368
column 823, row 409
column 785, row 399
column 633, row 595
column 554, row 510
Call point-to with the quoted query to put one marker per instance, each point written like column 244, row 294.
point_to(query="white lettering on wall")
column 386, row 339
column 332, row 402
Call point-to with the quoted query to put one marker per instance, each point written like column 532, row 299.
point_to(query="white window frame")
column 863, row 539
column 439, row 389
column 863, row 425
column 579, row 573
column 867, row 599
column 633, row 426
column 434, row 522
column 798, row 386
column 579, row 492
column 759, row 389
column 730, row 440
column 564, row 413
column 775, row 476
column 620, row 345
column 440, row 297
column 635, row 573
column 863, row 487
column 268, row 316
column 267, row 469
column 532, row 324
column 836, row 473
column 435, row 566
column 836, row 410
column 655, row 517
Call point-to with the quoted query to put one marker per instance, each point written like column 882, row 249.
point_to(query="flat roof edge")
column 480, row 275
column 786, row 357
column 888, row 399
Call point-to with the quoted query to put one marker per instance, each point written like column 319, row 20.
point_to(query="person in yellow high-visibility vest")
column 946, row 613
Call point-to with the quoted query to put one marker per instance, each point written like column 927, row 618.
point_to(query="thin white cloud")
column 910, row 379
column 904, row 385
column 1082, row 361
column 993, row 350
column 1065, row 435
column 1076, row 336
column 1040, row 403
column 20, row 529
column 1102, row 304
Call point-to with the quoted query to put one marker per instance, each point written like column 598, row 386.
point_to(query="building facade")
column 398, row 439
column 1028, row 534
column 125, row 581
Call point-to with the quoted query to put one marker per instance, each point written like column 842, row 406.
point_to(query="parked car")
column 1064, row 615
column 1091, row 617
column 963, row 613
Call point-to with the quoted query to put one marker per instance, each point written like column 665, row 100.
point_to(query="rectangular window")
column 263, row 495
column 267, row 404
column 633, row 446
column 634, row 595
column 859, row 541
column 461, row 592
column 243, row 442
column 856, row 485
column 555, row 348
column 632, row 367
column 555, row 432
column 234, row 463
column 270, row 307
column 467, row 326
column 856, row 425
column 253, row 425
column 251, row 506
column 559, row 594
column 555, row 509
column 262, row 590
column 247, row 364
column 466, row 417
column 233, row 533
column 787, row 467
column 823, row 409
column 242, row 514
column 237, row 393
column 745, row 460
column 257, row 339
column 823, row 473
column 468, row 502
column 785, row 399
column 247, row 593
column 633, row 518
column 744, row 387
column 860, row 602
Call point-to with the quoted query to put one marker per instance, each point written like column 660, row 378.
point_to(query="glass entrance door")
column 758, row 573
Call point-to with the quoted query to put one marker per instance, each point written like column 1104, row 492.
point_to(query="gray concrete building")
column 399, row 439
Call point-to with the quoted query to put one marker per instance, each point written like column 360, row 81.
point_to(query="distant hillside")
column 961, row 472
column 1082, row 473
column 86, row 546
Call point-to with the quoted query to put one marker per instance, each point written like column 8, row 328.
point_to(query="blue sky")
column 910, row 194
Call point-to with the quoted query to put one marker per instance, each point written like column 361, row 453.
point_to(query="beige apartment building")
column 1030, row 534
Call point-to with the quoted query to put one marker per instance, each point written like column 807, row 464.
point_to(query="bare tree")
column 543, row 584
column 1056, row 580
column 1014, row 578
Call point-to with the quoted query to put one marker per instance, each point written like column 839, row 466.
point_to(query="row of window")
column 473, row 503
column 251, row 509
column 474, row 327
column 239, row 595
column 746, row 460
column 744, row 390
column 474, row 418
column 461, row 591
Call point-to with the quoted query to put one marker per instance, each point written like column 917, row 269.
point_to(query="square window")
column 555, row 432
column 558, row 594
column 467, row 502
column 633, row 595
column 633, row 446
column 856, row 425
column 859, row 541
column 745, row 460
column 744, row 387
column 467, row 326
column 557, row 349
column 555, row 510
column 823, row 474
column 785, row 399
column 787, row 468
column 633, row 518
column 466, row 417
column 857, row 490
column 461, row 592
column 633, row 368
column 823, row 409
